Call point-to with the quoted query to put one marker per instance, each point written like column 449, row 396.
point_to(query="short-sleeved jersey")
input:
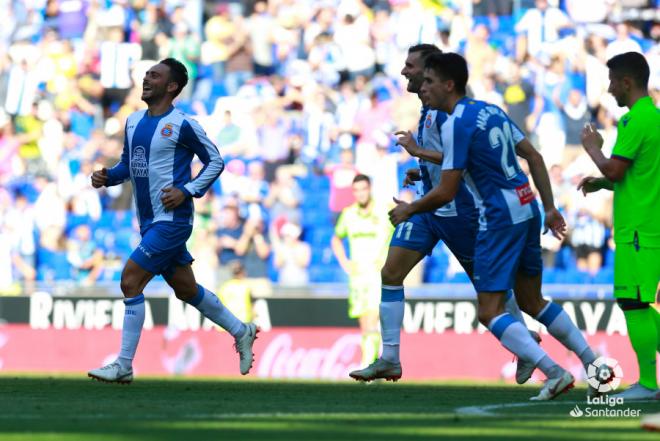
column 158, row 151
column 637, row 195
column 480, row 138
column 428, row 137
column 368, row 234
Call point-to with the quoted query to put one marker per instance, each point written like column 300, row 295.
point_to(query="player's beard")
column 153, row 97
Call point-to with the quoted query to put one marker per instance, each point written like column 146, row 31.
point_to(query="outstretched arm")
column 553, row 219
column 539, row 173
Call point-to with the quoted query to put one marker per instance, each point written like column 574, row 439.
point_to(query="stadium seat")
column 459, row 278
column 550, row 275
column 605, row 276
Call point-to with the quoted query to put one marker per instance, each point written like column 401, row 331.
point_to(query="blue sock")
column 212, row 308
column 561, row 327
column 515, row 337
column 131, row 330
column 392, row 307
column 511, row 306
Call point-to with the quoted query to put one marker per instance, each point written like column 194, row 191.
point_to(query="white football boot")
column 525, row 369
column 378, row 369
column 637, row 392
column 112, row 373
column 555, row 386
column 243, row 346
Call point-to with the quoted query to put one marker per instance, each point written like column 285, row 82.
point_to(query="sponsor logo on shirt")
column 167, row 130
column 429, row 121
column 525, row 193
column 139, row 165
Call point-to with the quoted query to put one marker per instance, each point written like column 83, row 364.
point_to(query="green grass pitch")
column 71, row 408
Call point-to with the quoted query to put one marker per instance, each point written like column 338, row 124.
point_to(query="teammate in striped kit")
column 480, row 144
column 159, row 145
column 455, row 224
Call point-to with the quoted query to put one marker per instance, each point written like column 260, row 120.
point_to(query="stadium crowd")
column 299, row 97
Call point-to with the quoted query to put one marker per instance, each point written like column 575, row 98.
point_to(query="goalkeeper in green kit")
column 633, row 173
column 368, row 229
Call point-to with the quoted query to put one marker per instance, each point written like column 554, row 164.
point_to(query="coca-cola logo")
column 281, row 360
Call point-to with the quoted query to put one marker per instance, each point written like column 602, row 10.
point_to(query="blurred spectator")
column 230, row 229
column 341, row 178
column 117, row 58
column 261, row 26
column 518, row 96
column 546, row 118
column 185, row 47
column 538, row 30
column 236, row 293
column 255, row 190
column 291, row 255
column 18, row 224
column 480, row 56
column 622, row 43
column 575, row 115
column 272, row 134
column 254, row 248
column 313, row 86
column 84, row 255
column 284, row 197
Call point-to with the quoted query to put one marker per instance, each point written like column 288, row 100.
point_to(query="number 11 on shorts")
column 407, row 226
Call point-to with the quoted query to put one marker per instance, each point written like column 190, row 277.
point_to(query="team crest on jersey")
column 429, row 121
column 139, row 165
column 167, row 130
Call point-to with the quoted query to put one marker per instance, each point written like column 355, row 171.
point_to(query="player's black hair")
column 449, row 66
column 425, row 50
column 633, row 65
column 178, row 73
column 360, row 177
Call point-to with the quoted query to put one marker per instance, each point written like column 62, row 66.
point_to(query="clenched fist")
column 100, row 178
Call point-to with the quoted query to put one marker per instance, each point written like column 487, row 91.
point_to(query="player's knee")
column 185, row 294
column 488, row 310
column 529, row 306
column 129, row 287
column 391, row 276
column 485, row 316
column 631, row 304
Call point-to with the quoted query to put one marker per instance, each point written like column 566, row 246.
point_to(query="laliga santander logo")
column 604, row 374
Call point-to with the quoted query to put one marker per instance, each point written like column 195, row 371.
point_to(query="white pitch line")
column 486, row 409
column 226, row 416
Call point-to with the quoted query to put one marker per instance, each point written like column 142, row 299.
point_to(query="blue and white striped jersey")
column 428, row 137
column 481, row 139
column 157, row 154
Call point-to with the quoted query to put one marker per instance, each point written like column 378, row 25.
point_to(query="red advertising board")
column 283, row 352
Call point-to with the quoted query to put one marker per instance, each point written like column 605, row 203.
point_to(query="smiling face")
column 435, row 91
column 157, row 84
column 413, row 71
